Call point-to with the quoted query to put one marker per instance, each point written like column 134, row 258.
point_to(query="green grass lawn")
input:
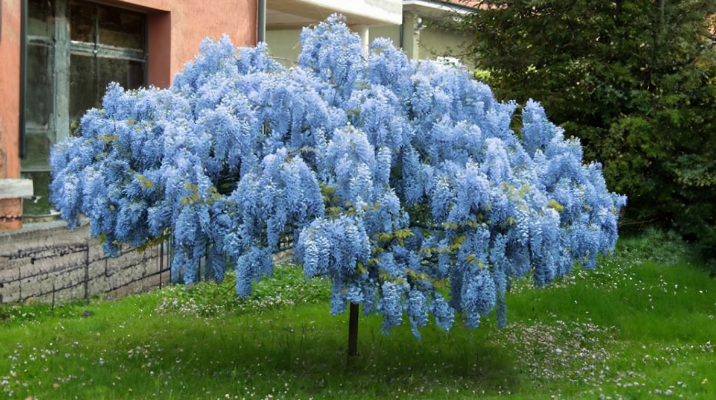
column 639, row 327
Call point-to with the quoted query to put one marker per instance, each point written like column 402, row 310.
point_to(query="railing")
column 285, row 248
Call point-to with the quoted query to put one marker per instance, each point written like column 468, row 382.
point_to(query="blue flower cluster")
column 403, row 181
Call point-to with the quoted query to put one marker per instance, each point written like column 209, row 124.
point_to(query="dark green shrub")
column 635, row 80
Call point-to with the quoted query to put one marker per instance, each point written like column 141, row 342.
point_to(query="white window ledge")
column 14, row 188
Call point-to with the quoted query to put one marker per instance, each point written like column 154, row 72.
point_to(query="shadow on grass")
column 306, row 349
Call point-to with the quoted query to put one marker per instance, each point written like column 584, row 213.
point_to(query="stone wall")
column 47, row 262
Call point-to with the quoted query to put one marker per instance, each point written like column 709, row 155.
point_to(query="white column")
column 62, row 71
column 364, row 32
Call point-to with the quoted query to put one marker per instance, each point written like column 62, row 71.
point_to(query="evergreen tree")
column 635, row 80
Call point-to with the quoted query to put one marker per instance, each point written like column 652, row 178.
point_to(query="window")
column 74, row 50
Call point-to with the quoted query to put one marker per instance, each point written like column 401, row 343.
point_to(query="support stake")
column 353, row 331
column 161, row 263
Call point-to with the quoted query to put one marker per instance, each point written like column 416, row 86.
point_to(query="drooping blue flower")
column 396, row 178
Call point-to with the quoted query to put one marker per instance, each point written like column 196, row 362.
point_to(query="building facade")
column 57, row 56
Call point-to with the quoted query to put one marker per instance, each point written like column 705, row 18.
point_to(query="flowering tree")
column 397, row 178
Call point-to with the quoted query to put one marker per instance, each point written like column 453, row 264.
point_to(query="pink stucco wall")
column 10, row 39
column 10, row 89
column 177, row 27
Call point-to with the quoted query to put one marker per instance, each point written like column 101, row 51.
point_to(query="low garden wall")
column 46, row 262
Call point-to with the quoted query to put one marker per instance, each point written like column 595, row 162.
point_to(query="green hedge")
column 635, row 80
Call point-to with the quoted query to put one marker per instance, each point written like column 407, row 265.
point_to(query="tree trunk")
column 353, row 331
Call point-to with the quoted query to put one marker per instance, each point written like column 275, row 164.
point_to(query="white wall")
column 428, row 42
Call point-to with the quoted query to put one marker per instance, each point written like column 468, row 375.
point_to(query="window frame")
column 62, row 48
